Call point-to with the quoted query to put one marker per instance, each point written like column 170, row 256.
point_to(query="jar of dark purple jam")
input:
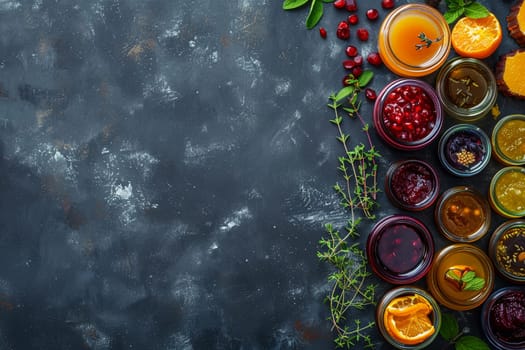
column 400, row 249
column 412, row 184
column 503, row 318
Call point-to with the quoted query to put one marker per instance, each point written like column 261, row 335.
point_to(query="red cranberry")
column 358, row 60
column 343, row 30
column 340, row 4
column 353, row 19
column 322, row 32
column 351, row 51
column 372, row 14
column 349, row 64
column 357, row 71
column 387, row 4
column 374, row 59
column 346, row 79
column 362, row 34
column 351, row 5
column 370, row 94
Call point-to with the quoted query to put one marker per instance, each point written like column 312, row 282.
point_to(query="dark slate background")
column 166, row 171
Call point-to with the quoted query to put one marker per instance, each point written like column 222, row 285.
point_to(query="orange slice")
column 411, row 329
column 476, row 37
column 409, row 304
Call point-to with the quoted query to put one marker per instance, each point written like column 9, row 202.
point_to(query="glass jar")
column 400, row 249
column 502, row 318
column 407, row 114
column 507, row 192
column 467, row 89
column 464, row 150
column 462, row 214
column 508, row 140
column 414, row 40
column 507, row 250
column 383, row 316
column 412, row 184
column 447, row 279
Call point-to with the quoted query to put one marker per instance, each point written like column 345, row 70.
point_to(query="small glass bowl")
column 412, row 184
column 388, row 297
column 456, row 257
column 464, row 150
column 462, row 214
column 504, row 302
column 398, row 41
column 407, row 114
column 507, row 250
column 507, row 192
column 467, row 89
column 508, row 140
column 400, row 249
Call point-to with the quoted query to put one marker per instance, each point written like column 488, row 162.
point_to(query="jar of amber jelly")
column 461, row 277
column 507, row 192
column 508, row 140
column 507, row 250
column 414, row 40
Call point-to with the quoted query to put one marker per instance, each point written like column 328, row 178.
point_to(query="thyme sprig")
column 426, row 42
column 351, row 289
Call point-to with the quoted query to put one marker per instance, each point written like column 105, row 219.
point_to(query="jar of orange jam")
column 507, row 192
column 508, row 140
column 414, row 40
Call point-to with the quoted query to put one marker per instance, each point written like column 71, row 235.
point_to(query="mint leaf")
column 315, row 14
column 476, row 10
column 452, row 15
column 449, row 327
column 344, row 93
column 293, row 4
column 365, row 78
column 475, row 284
column 469, row 342
column 468, row 276
column 453, row 276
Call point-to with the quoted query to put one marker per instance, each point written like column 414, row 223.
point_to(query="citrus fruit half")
column 476, row 37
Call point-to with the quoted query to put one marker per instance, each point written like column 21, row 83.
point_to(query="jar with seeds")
column 507, row 250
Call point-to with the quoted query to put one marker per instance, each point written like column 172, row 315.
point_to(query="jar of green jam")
column 507, row 192
column 508, row 140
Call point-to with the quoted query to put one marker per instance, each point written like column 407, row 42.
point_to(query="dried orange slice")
column 476, row 37
column 409, row 304
column 411, row 329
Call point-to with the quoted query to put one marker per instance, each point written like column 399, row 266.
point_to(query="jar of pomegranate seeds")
column 407, row 114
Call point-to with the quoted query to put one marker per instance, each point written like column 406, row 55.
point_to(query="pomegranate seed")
column 374, row 59
column 322, row 32
column 387, row 4
column 372, row 14
column 343, row 30
column 357, row 71
column 351, row 5
column 351, row 51
column 362, row 34
column 340, row 4
column 370, row 94
column 353, row 19
column 358, row 60
column 349, row 64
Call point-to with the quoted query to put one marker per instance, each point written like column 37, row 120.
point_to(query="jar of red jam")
column 464, row 150
column 503, row 318
column 400, row 249
column 507, row 250
column 412, row 184
column 408, row 114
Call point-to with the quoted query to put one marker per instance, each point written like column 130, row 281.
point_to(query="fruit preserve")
column 412, row 184
column 414, row 40
column 507, row 192
column 407, row 114
column 400, row 249
column 467, row 88
column 507, row 250
column 462, row 214
column 503, row 318
column 464, row 150
column 508, row 140
column 461, row 277
column 408, row 317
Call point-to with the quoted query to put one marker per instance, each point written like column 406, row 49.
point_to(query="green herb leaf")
column 468, row 276
column 450, row 274
column 470, row 342
column 293, row 4
column 476, row 10
column 475, row 284
column 315, row 14
column 449, row 327
column 365, row 77
column 452, row 15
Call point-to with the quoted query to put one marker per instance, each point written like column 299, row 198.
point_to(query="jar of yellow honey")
column 508, row 140
column 414, row 40
column 507, row 192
